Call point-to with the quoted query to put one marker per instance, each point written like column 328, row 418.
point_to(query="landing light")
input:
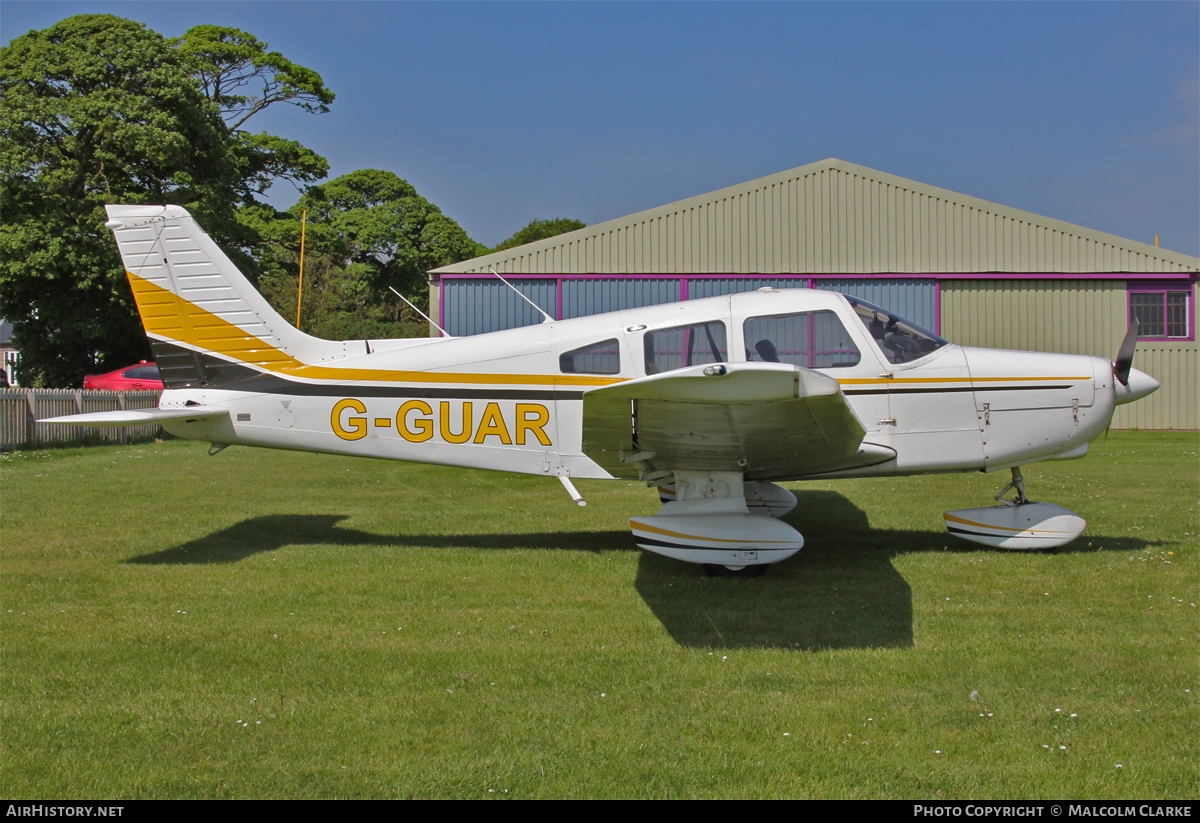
column 709, row 371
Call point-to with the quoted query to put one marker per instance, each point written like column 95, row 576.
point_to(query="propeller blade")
column 1124, row 361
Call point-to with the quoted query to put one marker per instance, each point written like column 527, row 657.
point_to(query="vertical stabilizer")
column 200, row 313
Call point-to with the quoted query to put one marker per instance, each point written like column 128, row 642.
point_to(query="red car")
column 142, row 377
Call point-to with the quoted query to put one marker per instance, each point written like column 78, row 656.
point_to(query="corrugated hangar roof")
column 831, row 217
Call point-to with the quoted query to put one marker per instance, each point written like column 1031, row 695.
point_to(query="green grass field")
column 272, row 624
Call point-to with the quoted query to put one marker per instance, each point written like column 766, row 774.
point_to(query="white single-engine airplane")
column 713, row 401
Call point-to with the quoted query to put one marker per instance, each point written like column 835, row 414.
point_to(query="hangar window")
column 683, row 346
column 815, row 340
column 1163, row 312
column 599, row 358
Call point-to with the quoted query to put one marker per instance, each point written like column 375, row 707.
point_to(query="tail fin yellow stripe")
column 169, row 315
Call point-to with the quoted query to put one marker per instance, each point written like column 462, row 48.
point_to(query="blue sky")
column 502, row 112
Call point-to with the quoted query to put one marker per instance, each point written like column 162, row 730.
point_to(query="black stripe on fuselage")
column 274, row 385
column 211, row 372
column 954, row 389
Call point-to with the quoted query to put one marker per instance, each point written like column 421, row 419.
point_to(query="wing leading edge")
column 767, row 421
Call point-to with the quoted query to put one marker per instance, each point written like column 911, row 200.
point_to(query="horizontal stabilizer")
column 138, row 417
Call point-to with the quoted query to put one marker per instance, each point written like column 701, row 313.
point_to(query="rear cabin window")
column 599, row 358
column 682, row 346
column 815, row 340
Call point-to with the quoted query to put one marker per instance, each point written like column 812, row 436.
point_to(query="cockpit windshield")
column 900, row 340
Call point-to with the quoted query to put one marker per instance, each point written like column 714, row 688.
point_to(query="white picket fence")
column 20, row 409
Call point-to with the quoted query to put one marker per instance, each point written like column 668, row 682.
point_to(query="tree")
column 370, row 230
column 226, row 61
column 100, row 110
column 241, row 78
column 540, row 230
column 97, row 110
column 383, row 226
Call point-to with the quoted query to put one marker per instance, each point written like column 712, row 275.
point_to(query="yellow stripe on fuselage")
column 168, row 315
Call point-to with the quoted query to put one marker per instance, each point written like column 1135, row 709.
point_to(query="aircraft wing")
column 770, row 421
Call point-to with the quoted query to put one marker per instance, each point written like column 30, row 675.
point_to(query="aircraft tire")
column 715, row 570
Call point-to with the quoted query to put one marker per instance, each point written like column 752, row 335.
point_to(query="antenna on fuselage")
column 523, row 297
column 418, row 311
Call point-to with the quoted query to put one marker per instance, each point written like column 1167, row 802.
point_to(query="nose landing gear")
column 1018, row 523
column 1018, row 483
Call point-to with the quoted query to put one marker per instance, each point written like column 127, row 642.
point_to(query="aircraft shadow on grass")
column 840, row 591
column 272, row 532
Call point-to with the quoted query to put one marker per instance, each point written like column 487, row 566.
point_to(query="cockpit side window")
column 682, row 346
column 815, row 340
column 899, row 340
column 598, row 358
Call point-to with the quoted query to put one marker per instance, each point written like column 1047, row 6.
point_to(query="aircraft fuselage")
column 503, row 401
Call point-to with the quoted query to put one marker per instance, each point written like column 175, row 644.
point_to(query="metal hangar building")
column 977, row 273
